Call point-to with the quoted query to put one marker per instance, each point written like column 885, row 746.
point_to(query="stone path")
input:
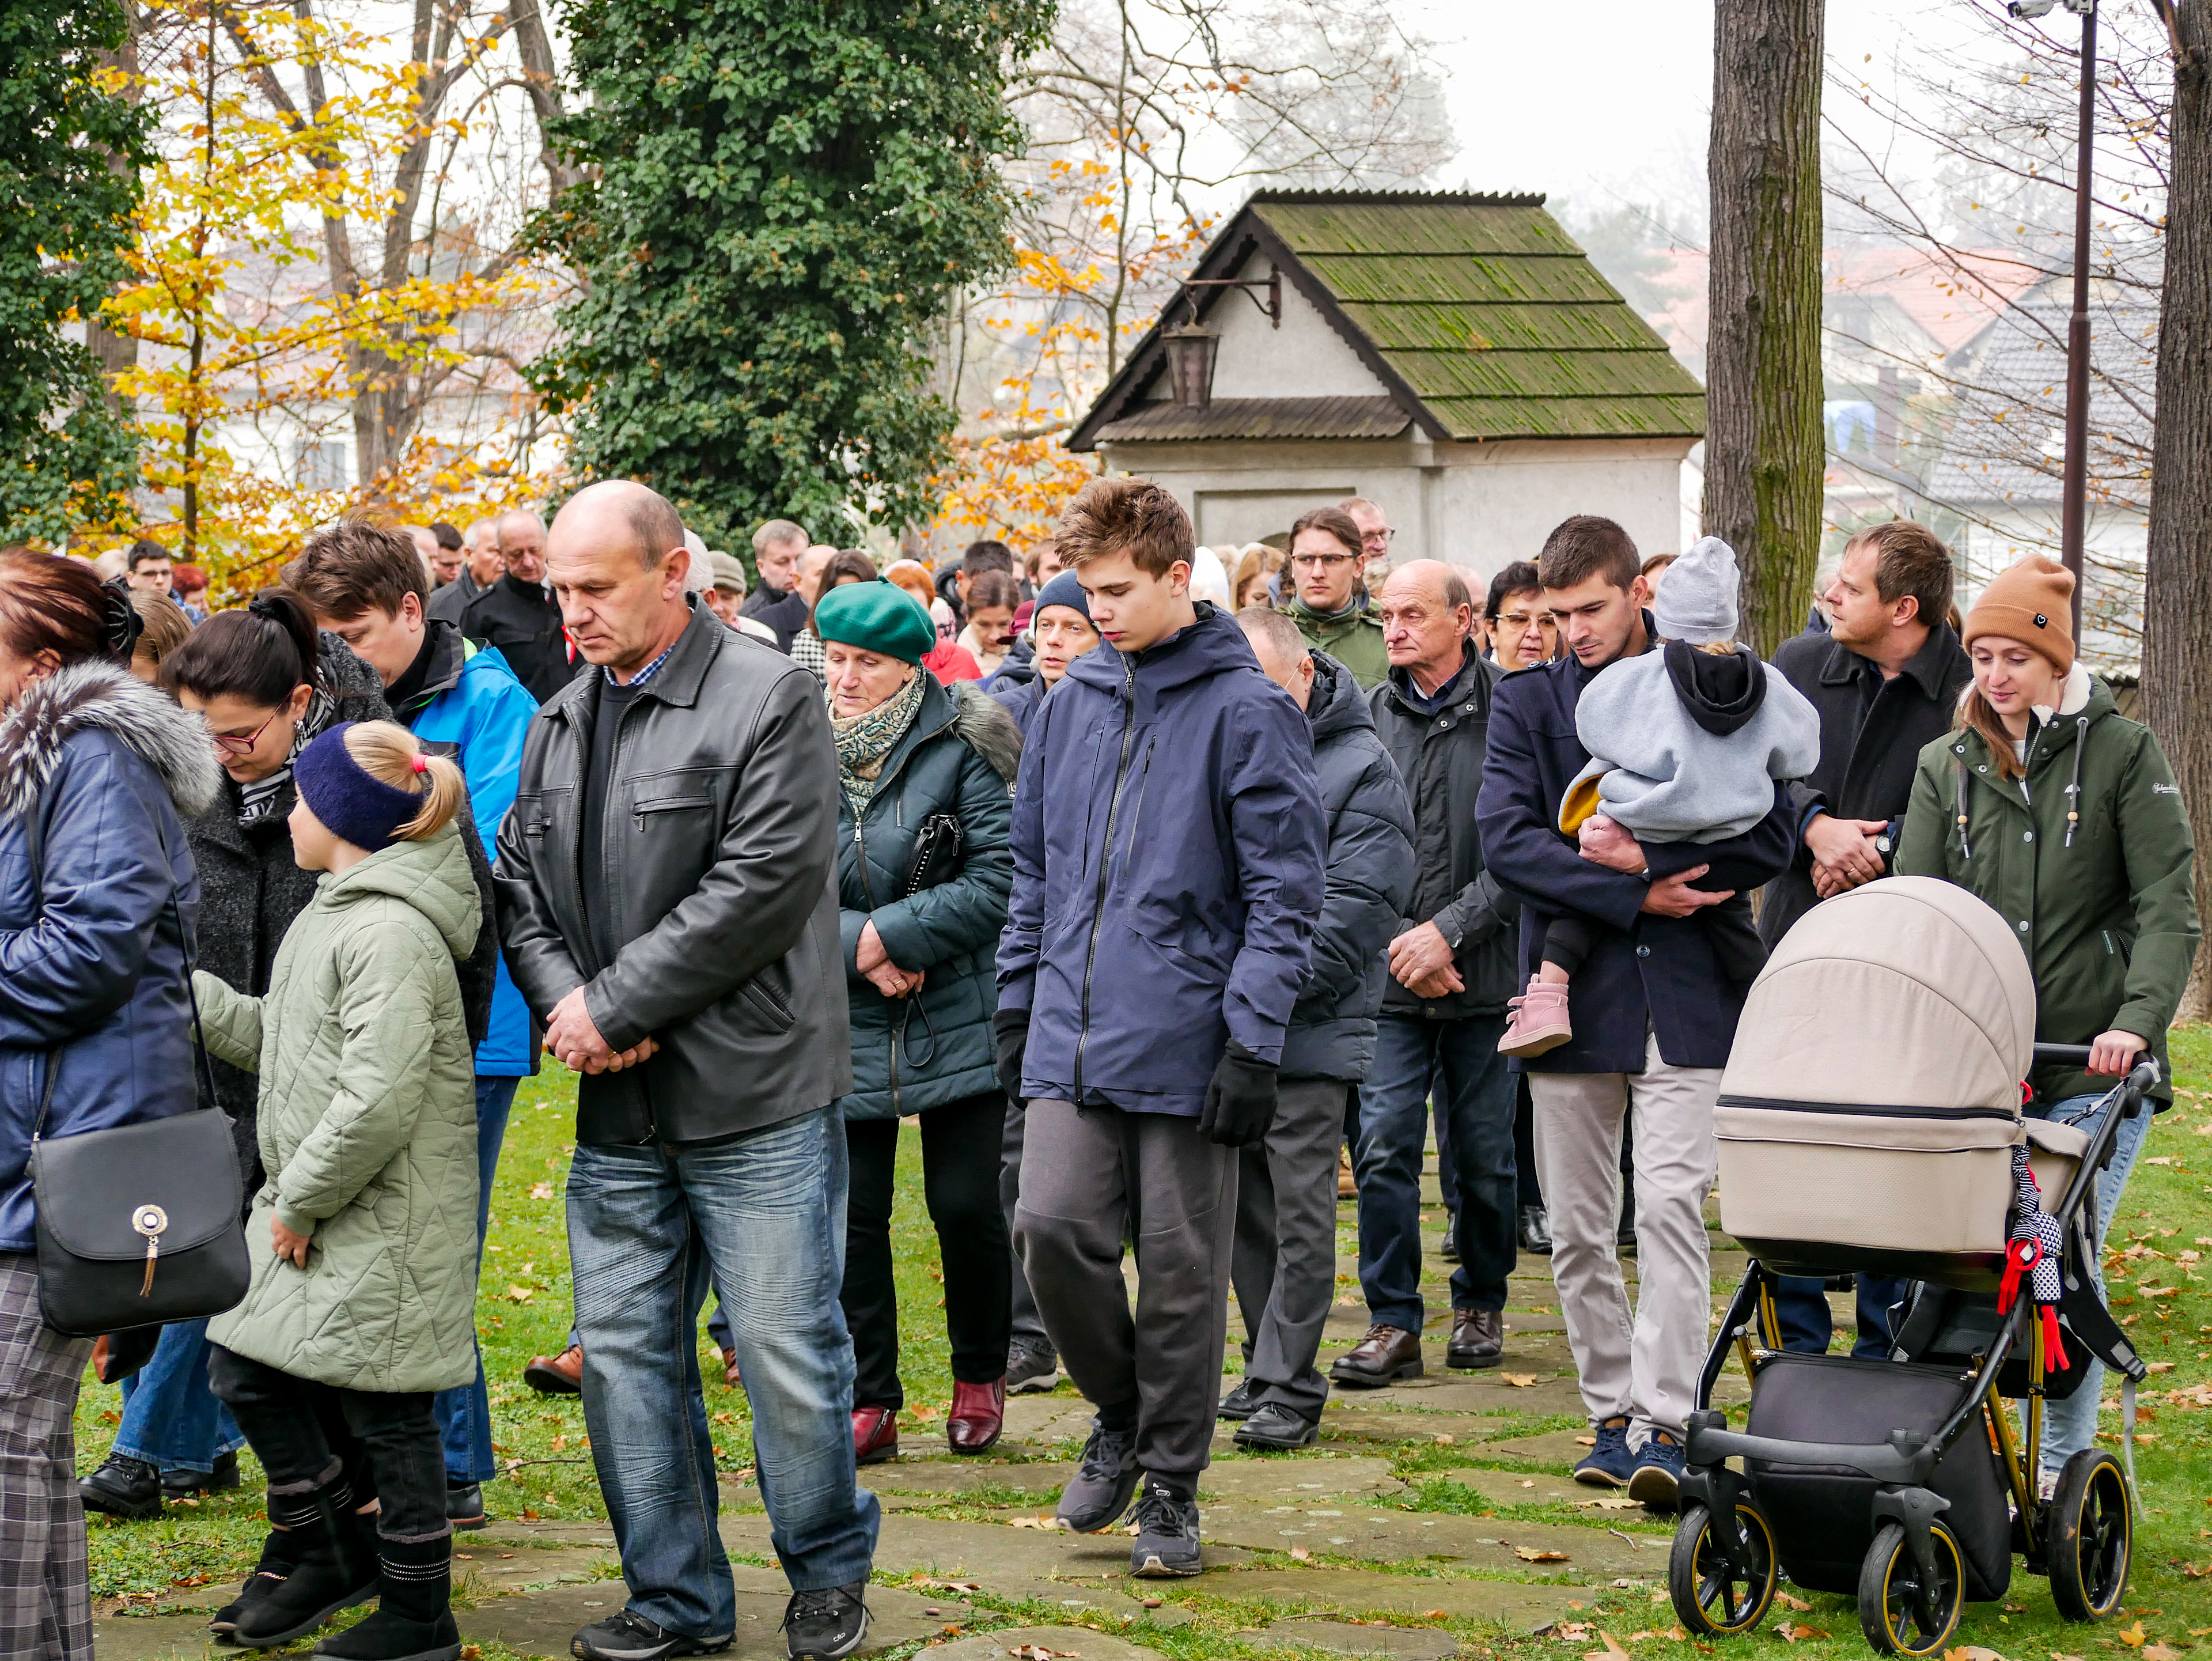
column 1328, row 1550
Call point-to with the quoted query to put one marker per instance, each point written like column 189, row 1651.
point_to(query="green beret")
column 877, row 616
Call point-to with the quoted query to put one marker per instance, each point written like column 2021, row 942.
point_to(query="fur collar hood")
column 981, row 723
column 99, row 696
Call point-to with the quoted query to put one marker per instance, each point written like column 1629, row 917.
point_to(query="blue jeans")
column 2071, row 1424
column 171, row 1419
column 1800, row 1306
column 763, row 1216
column 1474, row 1110
column 464, row 1412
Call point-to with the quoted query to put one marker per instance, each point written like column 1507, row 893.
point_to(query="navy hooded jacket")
column 1646, row 971
column 1168, row 841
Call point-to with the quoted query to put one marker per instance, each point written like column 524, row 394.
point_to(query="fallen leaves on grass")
column 1612, row 1651
column 1039, row 1653
column 2133, row 1637
column 521, row 1294
column 1538, row 1554
column 541, row 1190
column 1797, row 1605
column 1048, row 1523
column 1972, row 1652
column 1790, row 1632
column 2161, row 1652
column 1301, row 1553
column 530, row 1515
column 1611, row 1502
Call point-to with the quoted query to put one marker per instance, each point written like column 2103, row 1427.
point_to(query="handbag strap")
column 34, row 834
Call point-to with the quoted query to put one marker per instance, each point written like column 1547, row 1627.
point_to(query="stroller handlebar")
column 2141, row 1077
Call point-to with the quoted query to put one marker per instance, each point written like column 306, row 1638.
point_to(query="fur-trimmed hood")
column 100, row 697
column 981, row 723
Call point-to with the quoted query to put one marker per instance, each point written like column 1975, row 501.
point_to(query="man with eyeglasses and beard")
column 1328, row 604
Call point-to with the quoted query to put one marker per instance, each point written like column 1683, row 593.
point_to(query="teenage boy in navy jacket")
column 1168, row 872
column 1653, row 1014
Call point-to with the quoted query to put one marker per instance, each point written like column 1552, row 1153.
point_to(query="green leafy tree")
column 69, row 143
column 780, row 196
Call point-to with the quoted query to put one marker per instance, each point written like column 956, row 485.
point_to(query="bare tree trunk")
column 2178, row 582
column 1763, row 450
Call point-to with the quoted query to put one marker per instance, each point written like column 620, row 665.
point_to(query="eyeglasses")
column 236, row 744
column 1321, row 561
column 1382, row 536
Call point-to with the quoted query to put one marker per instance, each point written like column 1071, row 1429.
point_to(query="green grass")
column 523, row 1309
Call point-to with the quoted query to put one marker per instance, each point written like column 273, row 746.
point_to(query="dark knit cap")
column 340, row 792
column 1064, row 590
column 877, row 616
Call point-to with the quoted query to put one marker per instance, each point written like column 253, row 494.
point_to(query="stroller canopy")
column 1907, row 993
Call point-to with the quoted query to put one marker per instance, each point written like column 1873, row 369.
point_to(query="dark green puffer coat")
column 2108, row 919
column 933, row 1046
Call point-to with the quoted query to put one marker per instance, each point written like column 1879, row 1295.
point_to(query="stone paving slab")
column 1344, row 1638
column 985, row 1553
column 1396, row 1537
column 1513, row 1604
column 1227, row 1479
column 1384, row 1425
column 1559, row 1448
column 1059, row 1640
column 1510, row 1487
column 1484, row 1392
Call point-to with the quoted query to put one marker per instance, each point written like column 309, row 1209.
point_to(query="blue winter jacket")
column 472, row 708
column 1168, row 845
column 1020, row 697
column 1646, row 972
column 98, row 969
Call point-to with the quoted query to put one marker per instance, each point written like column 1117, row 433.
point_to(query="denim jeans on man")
column 762, row 1215
column 2071, row 1424
column 465, row 1412
column 1801, row 1310
column 1474, row 1098
column 171, row 1419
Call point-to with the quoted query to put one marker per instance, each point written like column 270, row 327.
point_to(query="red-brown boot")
column 979, row 1414
column 875, row 1435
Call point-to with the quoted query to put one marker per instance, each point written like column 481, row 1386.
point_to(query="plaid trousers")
column 45, row 1605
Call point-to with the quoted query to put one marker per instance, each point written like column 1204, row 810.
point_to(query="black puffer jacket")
column 250, row 890
column 933, row 1046
column 1440, row 757
column 522, row 620
column 1370, row 879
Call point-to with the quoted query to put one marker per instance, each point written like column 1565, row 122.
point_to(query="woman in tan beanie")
column 2062, row 814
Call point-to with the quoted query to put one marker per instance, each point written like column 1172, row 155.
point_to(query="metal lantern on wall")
column 1191, row 350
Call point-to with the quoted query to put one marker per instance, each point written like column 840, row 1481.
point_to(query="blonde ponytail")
column 387, row 753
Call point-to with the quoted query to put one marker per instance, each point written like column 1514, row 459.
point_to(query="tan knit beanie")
column 2031, row 602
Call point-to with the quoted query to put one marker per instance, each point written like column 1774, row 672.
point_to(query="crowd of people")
column 1155, row 884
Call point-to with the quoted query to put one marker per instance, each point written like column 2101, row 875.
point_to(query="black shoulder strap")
column 34, row 835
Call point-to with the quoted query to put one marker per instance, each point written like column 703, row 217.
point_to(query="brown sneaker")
column 1385, row 1353
column 730, row 1370
column 1537, row 1020
column 1478, row 1338
column 556, row 1375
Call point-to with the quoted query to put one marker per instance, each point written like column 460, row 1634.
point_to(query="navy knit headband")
column 339, row 791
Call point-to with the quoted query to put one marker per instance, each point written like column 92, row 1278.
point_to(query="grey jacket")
column 721, row 847
column 1663, row 764
column 1440, row 757
column 1370, row 878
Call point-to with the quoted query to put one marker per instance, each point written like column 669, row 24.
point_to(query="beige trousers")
column 1643, row 1367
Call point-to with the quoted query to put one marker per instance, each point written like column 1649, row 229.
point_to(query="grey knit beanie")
column 1696, row 598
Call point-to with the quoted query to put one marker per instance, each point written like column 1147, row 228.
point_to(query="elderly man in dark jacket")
column 1167, row 835
column 1443, row 1006
column 1283, row 1267
column 1653, row 1013
column 666, row 905
column 1886, row 679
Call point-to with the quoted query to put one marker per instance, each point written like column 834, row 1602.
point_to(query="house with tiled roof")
column 1453, row 357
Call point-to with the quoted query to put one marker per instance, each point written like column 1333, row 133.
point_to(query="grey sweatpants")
column 1284, row 1263
column 1088, row 1175
column 1027, row 1330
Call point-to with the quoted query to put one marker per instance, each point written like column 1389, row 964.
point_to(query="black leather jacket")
column 720, row 848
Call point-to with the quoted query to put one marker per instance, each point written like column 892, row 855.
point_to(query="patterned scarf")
column 864, row 741
column 257, row 800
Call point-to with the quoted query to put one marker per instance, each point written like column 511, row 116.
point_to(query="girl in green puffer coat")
column 360, row 1302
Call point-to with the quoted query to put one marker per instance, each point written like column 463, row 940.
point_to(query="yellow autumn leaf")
column 1519, row 1380
column 1538, row 1554
column 2133, row 1637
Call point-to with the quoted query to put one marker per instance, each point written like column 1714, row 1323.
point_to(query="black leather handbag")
column 138, row 1225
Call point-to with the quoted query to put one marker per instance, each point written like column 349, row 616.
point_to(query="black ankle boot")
column 414, row 1618
column 277, row 1553
column 329, row 1570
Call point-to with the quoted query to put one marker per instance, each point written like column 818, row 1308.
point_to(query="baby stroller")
column 1870, row 1122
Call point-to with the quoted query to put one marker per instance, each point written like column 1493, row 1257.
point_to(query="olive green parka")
column 366, row 1128
column 2104, row 905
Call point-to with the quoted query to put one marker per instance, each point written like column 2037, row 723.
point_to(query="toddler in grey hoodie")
column 1686, row 743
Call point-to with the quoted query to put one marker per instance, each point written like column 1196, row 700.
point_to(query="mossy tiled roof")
column 1480, row 313
column 1489, row 314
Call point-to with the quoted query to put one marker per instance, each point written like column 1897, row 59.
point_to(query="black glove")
column 1240, row 1099
column 1010, row 1030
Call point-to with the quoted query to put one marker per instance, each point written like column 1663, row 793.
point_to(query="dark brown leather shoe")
column 1478, row 1338
column 1385, row 1354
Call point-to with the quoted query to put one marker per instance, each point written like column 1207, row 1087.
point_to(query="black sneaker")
column 1030, row 1370
column 1238, row 1403
column 465, row 1506
column 122, row 1487
column 1099, row 1492
column 827, row 1625
column 1166, row 1545
column 191, row 1484
column 626, row 1635
column 1275, row 1426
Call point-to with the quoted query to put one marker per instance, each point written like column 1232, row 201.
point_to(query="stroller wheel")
column 1899, row 1614
column 1714, row 1594
column 2090, row 1537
